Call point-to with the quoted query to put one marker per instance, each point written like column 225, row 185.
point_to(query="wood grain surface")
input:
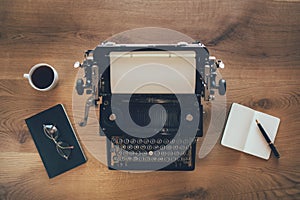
column 258, row 41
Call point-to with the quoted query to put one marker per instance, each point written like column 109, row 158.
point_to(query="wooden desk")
column 257, row 40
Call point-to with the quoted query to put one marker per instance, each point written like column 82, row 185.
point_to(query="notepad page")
column 237, row 127
column 256, row 143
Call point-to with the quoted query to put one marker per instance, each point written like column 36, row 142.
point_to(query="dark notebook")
column 55, row 140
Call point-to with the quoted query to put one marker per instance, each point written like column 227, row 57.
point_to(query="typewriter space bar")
column 152, row 166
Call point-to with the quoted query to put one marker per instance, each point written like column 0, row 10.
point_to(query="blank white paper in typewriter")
column 153, row 72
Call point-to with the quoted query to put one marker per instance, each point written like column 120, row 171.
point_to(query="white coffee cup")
column 42, row 77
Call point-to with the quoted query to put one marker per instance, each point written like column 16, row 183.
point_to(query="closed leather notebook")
column 55, row 140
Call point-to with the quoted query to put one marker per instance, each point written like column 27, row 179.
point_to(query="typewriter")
column 150, row 101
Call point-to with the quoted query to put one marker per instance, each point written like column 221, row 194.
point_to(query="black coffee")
column 42, row 77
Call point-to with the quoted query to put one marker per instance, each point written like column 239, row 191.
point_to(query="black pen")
column 273, row 148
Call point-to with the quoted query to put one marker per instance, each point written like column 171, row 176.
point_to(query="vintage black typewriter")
column 150, row 101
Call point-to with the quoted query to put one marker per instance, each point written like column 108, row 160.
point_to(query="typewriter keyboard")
column 151, row 153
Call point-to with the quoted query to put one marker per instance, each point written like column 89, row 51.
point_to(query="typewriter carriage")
column 97, row 77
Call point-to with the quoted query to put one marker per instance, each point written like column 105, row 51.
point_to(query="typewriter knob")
column 79, row 86
column 222, row 86
column 77, row 64
column 112, row 117
column 189, row 117
column 220, row 64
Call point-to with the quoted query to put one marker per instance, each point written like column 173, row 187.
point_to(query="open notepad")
column 242, row 133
